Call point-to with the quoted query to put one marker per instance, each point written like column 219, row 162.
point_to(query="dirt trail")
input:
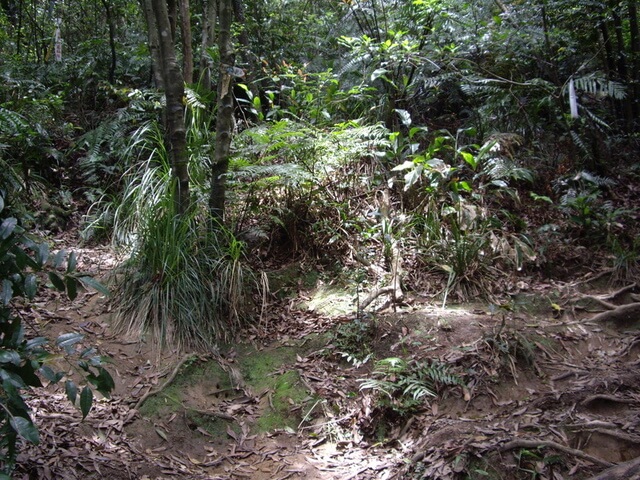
column 553, row 394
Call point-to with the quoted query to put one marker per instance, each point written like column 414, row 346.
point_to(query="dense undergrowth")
column 441, row 150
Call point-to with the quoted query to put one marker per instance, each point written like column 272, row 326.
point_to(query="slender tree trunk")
column 210, row 15
column 187, row 39
column 172, row 10
column 154, row 44
column 175, row 137
column 112, row 40
column 19, row 32
column 634, row 35
column 622, row 63
column 224, row 121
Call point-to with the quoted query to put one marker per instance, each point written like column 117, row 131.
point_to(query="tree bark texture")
column 621, row 62
column 634, row 36
column 154, row 44
column 224, row 120
column 208, row 41
column 112, row 40
column 175, row 137
column 187, row 50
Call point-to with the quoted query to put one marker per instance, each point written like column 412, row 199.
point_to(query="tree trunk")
column 154, row 44
column 634, row 36
column 622, row 63
column 208, row 40
column 175, row 137
column 187, row 50
column 224, row 121
column 112, row 40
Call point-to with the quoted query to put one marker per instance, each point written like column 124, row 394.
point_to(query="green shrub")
column 23, row 360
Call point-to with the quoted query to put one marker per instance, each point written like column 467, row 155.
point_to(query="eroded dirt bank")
column 548, row 392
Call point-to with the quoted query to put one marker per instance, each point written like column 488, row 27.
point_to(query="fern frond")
column 596, row 84
column 193, row 99
column 11, row 122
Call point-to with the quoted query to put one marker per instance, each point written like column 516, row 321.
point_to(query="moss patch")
column 287, row 398
column 191, row 388
column 266, row 372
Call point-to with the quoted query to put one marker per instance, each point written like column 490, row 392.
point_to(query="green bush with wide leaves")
column 23, row 360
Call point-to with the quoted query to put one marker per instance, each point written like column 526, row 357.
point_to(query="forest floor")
column 550, row 389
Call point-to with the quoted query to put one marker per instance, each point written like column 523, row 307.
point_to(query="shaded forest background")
column 435, row 149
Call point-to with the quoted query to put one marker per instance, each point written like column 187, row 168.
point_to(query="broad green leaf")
column 30, row 286
column 378, row 73
column 10, row 357
column 72, row 287
column 412, row 177
column 7, row 227
column 465, row 186
column 86, row 401
column 58, row 259
column 23, row 260
column 10, row 378
column 405, row 117
column 72, row 263
column 42, row 253
column 48, row 373
column 104, row 382
column 57, row 282
column 91, row 282
column 7, row 292
column 470, row 159
column 71, row 390
column 67, row 340
column 87, row 352
column 26, row 429
column 404, row 166
column 36, row 342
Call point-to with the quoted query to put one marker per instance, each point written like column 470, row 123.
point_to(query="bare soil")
column 548, row 393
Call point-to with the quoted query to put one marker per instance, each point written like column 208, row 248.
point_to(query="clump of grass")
column 180, row 286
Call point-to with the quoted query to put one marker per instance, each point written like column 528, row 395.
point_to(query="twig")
column 548, row 444
column 170, row 379
column 211, row 413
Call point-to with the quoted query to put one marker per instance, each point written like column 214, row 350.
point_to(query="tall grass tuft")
column 183, row 285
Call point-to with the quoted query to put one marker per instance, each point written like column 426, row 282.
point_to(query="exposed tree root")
column 621, row 314
column 623, row 471
column 606, row 398
column 606, row 300
column 515, row 444
column 170, row 379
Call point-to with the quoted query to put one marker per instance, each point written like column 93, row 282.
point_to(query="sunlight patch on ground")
column 330, row 300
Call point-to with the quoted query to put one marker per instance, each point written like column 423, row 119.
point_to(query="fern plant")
column 403, row 386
